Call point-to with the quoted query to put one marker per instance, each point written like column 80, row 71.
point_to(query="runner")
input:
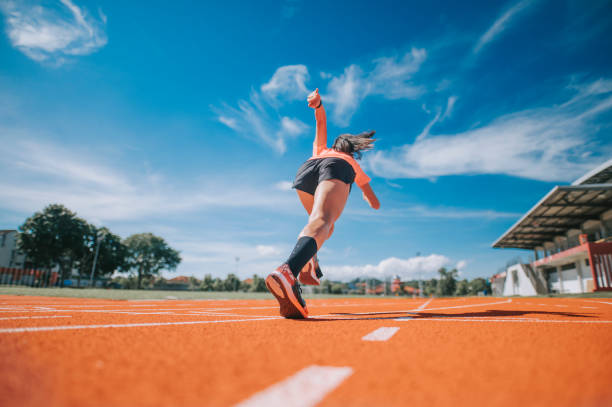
column 323, row 184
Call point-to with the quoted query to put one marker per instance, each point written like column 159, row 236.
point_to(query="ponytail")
column 354, row 144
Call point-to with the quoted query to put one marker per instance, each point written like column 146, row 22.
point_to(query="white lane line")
column 529, row 320
column 600, row 302
column 42, row 317
column 381, row 334
column 306, row 388
column 421, row 308
column 144, row 324
column 416, row 309
column 588, row 307
column 562, row 306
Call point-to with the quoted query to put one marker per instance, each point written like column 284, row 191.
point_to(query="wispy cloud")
column 37, row 174
column 258, row 118
column 407, row 269
column 548, row 144
column 390, row 78
column 501, row 24
column 288, row 82
column 51, row 33
column 427, row 213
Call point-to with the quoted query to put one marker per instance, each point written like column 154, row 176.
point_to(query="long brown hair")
column 354, row 144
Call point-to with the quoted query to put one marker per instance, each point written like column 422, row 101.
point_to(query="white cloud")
column 390, row 78
column 407, row 269
column 229, row 122
column 461, row 265
column 258, row 118
column 548, row 144
column 36, row 174
column 501, row 24
column 450, row 105
column 268, row 251
column 289, row 82
column 422, row 212
column 284, row 185
column 52, row 33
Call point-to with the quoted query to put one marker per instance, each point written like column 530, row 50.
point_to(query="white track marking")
column 136, row 325
column 529, row 320
column 306, row 388
column 589, row 307
column 424, row 305
column 381, row 334
column 412, row 310
column 600, row 302
column 41, row 317
column 421, row 308
column 562, row 306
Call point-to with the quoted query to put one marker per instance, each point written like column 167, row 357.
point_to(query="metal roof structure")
column 599, row 175
column 563, row 208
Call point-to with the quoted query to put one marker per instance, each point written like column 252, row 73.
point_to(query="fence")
column 28, row 277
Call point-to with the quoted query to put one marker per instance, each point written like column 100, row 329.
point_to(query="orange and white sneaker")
column 311, row 272
column 284, row 286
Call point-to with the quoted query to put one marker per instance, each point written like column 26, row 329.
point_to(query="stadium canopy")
column 564, row 208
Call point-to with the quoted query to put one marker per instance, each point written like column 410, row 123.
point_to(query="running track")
column 352, row 352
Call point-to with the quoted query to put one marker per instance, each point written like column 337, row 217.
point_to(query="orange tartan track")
column 350, row 352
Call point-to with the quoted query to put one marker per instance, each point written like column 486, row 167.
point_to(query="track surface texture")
column 350, row 352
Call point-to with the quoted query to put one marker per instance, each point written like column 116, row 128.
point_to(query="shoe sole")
column 290, row 307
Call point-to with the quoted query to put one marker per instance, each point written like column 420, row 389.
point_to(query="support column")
column 561, row 290
column 579, row 271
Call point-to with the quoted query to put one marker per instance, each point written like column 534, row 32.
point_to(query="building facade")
column 10, row 256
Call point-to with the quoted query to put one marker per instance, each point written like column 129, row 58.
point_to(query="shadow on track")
column 424, row 315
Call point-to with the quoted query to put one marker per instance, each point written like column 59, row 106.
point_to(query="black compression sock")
column 304, row 249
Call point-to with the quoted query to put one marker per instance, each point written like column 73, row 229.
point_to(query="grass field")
column 116, row 294
column 58, row 351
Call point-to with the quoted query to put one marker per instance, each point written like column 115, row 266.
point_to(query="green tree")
column 218, row 285
column 148, row 254
column 232, row 283
column 207, row 283
column 53, row 237
column 112, row 253
column 259, row 284
column 447, row 282
column 463, row 287
column 480, row 284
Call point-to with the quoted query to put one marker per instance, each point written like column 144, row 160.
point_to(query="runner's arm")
column 369, row 196
column 320, row 142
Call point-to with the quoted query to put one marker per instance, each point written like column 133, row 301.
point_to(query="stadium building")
column 570, row 234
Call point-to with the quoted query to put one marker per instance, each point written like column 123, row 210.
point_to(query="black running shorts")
column 319, row 169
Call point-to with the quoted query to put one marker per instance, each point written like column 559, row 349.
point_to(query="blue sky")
column 189, row 121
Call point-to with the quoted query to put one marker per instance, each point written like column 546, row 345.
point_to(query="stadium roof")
column 563, row 208
column 599, row 175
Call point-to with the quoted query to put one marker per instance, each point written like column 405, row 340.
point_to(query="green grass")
column 115, row 294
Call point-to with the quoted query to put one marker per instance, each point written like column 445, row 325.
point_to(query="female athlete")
column 323, row 184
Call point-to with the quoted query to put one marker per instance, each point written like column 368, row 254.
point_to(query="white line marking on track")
column 137, row 325
column 588, row 307
column 41, row 317
column 425, row 304
column 601, row 302
column 512, row 320
column 381, row 334
column 306, row 388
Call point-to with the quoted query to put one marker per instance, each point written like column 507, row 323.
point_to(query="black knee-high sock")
column 304, row 249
